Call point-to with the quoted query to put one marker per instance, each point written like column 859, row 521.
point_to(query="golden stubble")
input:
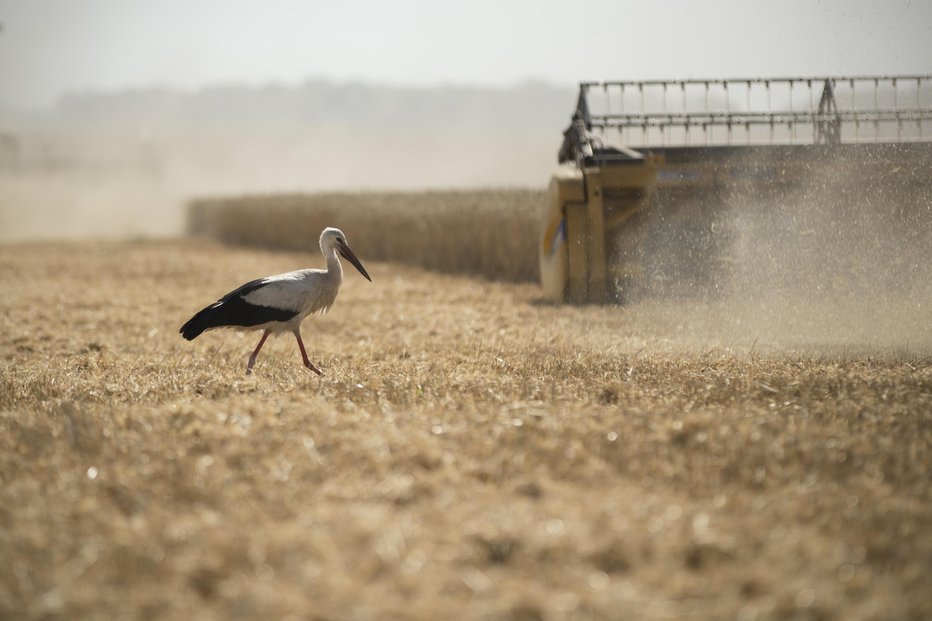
column 469, row 452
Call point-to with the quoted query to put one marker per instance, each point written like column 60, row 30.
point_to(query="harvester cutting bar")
column 822, row 110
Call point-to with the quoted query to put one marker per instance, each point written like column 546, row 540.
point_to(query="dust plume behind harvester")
column 650, row 167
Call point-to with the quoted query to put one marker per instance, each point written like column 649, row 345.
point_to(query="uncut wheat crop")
column 492, row 233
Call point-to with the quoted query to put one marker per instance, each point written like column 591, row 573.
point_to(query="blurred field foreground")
column 468, row 454
column 487, row 232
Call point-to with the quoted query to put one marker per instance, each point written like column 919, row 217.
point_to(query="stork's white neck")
column 334, row 267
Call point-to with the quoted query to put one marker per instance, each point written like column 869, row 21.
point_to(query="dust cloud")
column 126, row 163
column 84, row 183
column 840, row 263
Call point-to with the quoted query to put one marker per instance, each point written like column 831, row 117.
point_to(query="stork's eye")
column 339, row 240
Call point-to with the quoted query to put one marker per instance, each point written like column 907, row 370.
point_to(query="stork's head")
column 334, row 239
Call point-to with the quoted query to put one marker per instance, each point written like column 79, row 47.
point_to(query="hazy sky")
column 49, row 47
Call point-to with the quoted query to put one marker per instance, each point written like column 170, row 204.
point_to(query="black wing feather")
column 233, row 310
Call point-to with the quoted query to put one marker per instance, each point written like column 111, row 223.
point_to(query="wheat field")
column 488, row 232
column 469, row 453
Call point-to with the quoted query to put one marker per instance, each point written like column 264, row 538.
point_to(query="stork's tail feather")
column 233, row 310
column 201, row 321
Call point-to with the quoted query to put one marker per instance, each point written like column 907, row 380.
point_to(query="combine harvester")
column 648, row 167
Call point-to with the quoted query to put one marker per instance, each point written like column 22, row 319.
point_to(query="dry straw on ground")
column 492, row 233
column 469, row 453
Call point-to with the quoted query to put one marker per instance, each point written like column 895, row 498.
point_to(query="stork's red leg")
column 307, row 362
column 252, row 358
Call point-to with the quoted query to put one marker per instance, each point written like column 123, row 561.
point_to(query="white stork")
column 280, row 303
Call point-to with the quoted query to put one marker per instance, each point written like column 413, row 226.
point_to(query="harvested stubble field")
column 469, row 453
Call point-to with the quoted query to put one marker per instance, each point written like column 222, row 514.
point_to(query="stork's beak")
column 348, row 254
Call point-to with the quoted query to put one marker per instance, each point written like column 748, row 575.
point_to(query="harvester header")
column 652, row 146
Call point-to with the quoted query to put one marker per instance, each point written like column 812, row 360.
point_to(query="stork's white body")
column 304, row 291
column 280, row 303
